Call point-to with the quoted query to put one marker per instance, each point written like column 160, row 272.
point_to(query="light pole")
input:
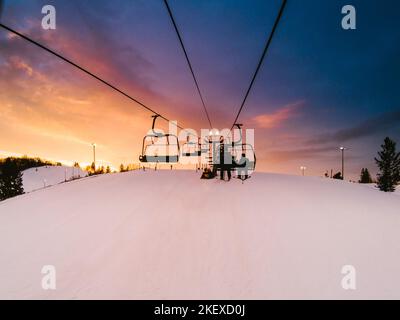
column 303, row 170
column 342, row 149
column 94, row 155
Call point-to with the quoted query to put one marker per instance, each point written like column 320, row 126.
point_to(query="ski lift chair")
column 191, row 148
column 246, row 150
column 159, row 147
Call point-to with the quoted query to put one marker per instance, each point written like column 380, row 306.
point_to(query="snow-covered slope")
column 168, row 234
column 41, row 177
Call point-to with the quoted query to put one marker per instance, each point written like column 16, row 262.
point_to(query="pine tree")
column 365, row 176
column 389, row 166
column 10, row 180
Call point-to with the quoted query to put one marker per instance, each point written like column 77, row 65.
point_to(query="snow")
column 41, row 177
column 170, row 235
column 375, row 187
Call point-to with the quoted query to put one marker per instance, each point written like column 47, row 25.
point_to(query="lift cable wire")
column 267, row 45
column 84, row 70
column 188, row 61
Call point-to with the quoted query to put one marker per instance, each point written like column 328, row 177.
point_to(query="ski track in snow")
column 170, row 235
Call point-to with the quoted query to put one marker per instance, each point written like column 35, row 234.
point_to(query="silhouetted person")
column 225, row 160
column 243, row 167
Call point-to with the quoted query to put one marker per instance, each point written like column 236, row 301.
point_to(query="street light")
column 303, row 169
column 342, row 149
column 94, row 155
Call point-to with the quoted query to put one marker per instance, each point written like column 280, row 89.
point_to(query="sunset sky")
column 320, row 87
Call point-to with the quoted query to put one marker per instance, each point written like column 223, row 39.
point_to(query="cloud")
column 367, row 128
column 21, row 65
column 41, row 90
column 89, row 40
column 275, row 119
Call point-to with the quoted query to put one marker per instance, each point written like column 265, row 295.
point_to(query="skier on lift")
column 243, row 167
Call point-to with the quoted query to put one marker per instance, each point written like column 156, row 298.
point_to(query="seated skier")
column 243, row 167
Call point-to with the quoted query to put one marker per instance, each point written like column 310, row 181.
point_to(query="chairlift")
column 246, row 150
column 242, row 151
column 191, row 148
column 159, row 147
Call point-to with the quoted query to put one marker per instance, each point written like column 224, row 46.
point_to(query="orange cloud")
column 20, row 64
column 275, row 119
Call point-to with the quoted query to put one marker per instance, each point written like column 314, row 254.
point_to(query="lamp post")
column 94, row 155
column 342, row 149
column 303, row 170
